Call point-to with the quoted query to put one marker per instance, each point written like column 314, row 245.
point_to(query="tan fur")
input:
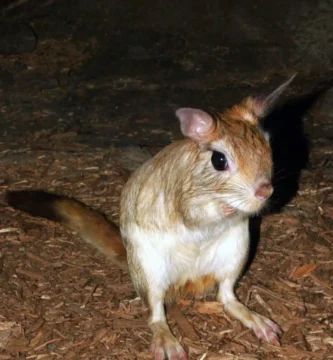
column 178, row 238
column 174, row 170
column 94, row 228
column 191, row 288
column 251, row 145
column 178, row 193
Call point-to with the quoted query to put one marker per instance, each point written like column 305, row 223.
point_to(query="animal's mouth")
column 250, row 210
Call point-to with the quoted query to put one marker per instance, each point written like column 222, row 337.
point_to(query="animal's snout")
column 264, row 191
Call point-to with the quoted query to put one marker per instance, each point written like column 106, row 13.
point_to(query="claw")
column 228, row 210
column 266, row 329
column 169, row 347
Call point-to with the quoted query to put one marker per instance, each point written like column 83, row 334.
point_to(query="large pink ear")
column 262, row 106
column 196, row 124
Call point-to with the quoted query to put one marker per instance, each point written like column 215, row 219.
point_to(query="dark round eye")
column 219, row 161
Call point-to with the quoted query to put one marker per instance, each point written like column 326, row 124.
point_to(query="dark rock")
column 6, row 78
column 50, row 83
column 16, row 39
column 324, row 105
column 24, row 115
column 137, row 53
column 321, row 117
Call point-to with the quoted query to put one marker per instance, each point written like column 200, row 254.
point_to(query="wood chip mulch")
column 61, row 299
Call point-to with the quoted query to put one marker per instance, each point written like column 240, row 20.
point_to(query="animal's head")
column 235, row 159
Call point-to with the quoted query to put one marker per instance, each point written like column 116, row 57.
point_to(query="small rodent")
column 184, row 215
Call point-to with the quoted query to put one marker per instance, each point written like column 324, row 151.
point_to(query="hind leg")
column 164, row 344
column 149, row 282
column 264, row 328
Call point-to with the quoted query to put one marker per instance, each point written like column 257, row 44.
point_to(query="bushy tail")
column 90, row 225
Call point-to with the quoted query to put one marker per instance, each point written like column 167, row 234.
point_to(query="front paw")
column 228, row 210
column 167, row 347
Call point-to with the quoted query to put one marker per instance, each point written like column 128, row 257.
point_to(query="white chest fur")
column 182, row 254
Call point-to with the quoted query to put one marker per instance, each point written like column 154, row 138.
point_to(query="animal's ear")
column 196, row 124
column 262, row 106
